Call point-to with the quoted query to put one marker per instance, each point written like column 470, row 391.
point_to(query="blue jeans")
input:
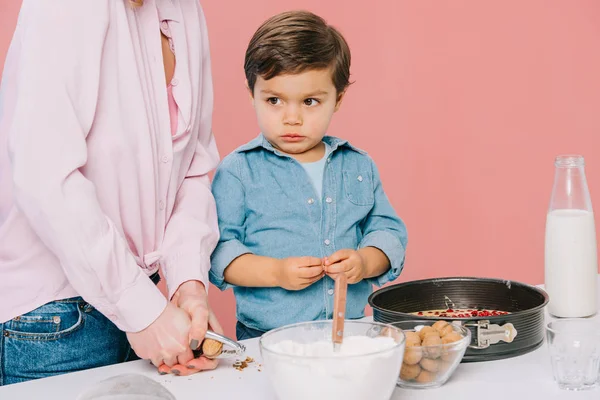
column 61, row 336
column 243, row 332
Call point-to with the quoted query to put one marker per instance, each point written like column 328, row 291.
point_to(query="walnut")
column 211, row 348
column 412, row 338
column 425, row 330
column 448, row 329
column 409, row 372
column 412, row 354
column 430, row 365
column 451, row 337
column 425, row 377
column 432, row 346
column 440, row 325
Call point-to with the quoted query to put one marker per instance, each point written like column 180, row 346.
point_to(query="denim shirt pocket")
column 358, row 186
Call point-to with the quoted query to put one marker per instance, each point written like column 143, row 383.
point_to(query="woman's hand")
column 192, row 298
column 166, row 340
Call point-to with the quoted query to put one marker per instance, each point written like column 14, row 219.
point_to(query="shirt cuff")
column 392, row 248
column 182, row 267
column 224, row 255
column 138, row 306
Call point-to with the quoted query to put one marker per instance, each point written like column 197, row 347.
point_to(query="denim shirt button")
column 327, row 242
column 311, row 201
column 328, row 200
column 360, row 178
column 330, row 292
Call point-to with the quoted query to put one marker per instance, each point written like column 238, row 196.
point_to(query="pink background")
column 463, row 105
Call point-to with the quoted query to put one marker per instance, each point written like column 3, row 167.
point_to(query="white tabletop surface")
column 526, row 376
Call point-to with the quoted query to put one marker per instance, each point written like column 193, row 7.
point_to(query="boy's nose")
column 292, row 116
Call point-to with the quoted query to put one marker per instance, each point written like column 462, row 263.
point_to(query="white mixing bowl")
column 354, row 373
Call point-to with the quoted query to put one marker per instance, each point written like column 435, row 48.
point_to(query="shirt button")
column 328, row 159
column 360, row 178
column 311, row 201
column 161, row 204
column 327, row 242
column 165, row 159
column 175, row 82
column 165, row 26
column 328, row 200
column 330, row 292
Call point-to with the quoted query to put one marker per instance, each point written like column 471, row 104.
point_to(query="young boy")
column 297, row 207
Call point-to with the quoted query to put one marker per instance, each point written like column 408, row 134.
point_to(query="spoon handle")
column 339, row 308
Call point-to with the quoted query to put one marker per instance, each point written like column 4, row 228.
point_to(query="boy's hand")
column 297, row 273
column 347, row 261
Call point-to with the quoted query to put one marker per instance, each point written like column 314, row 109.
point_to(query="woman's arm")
column 52, row 80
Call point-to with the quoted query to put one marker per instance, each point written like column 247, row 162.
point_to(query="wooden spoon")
column 339, row 310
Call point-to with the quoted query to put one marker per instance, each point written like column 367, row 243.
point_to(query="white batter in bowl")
column 301, row 364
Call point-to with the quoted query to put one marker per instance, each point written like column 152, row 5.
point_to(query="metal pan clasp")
column 489, row 334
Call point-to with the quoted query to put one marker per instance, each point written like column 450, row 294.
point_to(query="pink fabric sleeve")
column 56, row 96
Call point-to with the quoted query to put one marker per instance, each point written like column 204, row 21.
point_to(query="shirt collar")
column 261, row 142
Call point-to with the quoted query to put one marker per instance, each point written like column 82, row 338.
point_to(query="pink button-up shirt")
column 95, row 192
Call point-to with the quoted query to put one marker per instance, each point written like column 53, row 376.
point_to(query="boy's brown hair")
column 293, row 42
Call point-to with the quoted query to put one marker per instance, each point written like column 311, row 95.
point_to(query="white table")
column 526, row 376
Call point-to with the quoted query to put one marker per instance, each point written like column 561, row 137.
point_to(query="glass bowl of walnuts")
column 433, row 351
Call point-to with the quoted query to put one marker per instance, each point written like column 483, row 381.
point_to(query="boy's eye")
column 311, row 102
column 273, row 100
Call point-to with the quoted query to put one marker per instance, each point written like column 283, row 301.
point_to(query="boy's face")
column 294, row 111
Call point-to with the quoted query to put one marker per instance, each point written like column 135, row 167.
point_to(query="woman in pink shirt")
column 105, row 147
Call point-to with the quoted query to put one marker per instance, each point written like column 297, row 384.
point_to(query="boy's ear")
column 250, row 93
column 338, row 103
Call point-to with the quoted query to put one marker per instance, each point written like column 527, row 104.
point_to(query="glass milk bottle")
column 571, row 266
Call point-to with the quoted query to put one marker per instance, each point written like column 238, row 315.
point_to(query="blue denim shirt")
column 268, row 206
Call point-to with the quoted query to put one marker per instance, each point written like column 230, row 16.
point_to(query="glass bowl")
column 301, row 364
column 430, row 363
